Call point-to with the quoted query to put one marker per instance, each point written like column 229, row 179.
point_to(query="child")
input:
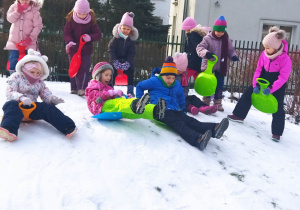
column 99, row 95
column 165, row 86
column 274, row 65
column 81, row 21
column 121, row 49
column 217, row 42
column 25, row 85
column 26, row 24
column 194, row 35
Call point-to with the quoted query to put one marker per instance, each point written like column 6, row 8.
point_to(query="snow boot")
column 138, row 105
column 130, row 90
column 192, row 109
column 221, row 128
column 73, row 91
column 208, row 109
column 6, row 135
column 159, row 110
column 218, row 102
column 235, row 118
column 276, row 138
column 203, row 140
column 80, row 92
column 206, row 100
column 70, row 132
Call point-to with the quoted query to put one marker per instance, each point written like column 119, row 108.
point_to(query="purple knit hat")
column 220, row 24
column 127, row 19
column 99, row 68
column 82, row 6
column 188, row 24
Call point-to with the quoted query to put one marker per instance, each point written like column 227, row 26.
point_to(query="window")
column 288, row 30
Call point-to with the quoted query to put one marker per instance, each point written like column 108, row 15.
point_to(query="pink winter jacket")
column 93, row 91
column 29, row 23
column 19, row 86
column 281, row 65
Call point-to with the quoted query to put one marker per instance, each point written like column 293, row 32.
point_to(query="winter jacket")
column 192, row 40
column 174, row 96
column 29, row 23
column 93, row 91
column 276, row 71
column 73, row 31
column 123, row 49
column 185, row 88
column 19, row 86
column 213, row 45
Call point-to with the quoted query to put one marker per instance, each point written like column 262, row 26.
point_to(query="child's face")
column 269, row 50
column 106, row 76
column 219, row 33
column 22, row 2
column 125, row 30
column 35, row 72
column 82, row 15
column 169, row 79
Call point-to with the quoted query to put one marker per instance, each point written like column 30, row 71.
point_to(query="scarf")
column 121, row 34
column 165, row 84
column 224, row 52
column 279, row 52
column 86, row 20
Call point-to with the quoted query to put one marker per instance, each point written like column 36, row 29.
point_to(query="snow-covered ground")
column 137, row 164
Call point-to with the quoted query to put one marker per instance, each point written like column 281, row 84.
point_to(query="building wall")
column 162, row 9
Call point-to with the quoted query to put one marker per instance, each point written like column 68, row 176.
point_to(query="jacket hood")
column 37, row 3
column 134, row 34
column 198, row 29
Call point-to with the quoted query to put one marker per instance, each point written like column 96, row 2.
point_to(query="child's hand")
column 21, row 7
column 115, row 93
column 27, row 41
column 209, row 55
column 69, row 45
column 256, row 90
column 266, row 91
column 235, row 58
column 56, row 100
column 26, row 101
column 87, row 38
column 125, row 66
column 117, row 64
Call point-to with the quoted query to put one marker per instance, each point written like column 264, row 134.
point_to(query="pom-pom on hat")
column 82, row 6
column 181, row 61
column 127, row 19
column 169, row 67
column 274, row 38
column 99, row 68
column 188, row 24
column 220, row 24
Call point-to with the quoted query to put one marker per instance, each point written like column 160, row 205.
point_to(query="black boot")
column 159, row 109
column 203, row 140
column 138, row 105
column 221, row 128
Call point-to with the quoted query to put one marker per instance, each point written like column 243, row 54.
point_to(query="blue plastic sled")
column 109, row 116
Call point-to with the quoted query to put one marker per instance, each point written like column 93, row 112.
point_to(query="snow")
column 138, row 164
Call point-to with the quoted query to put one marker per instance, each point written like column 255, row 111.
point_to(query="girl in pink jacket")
column 26, row 24
column 274, row 65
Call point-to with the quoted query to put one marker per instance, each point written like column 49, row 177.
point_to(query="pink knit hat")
column 181, row 61
column 82, row 6
column 188, row 24
column 274, row 38
column 99, row 68
column 127, row 19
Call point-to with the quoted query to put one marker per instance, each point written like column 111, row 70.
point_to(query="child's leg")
column 54, row 116
column 13, row 59
column 244, row 104
column 279, row 117
column 83, row 76
column 73, row 81
column 130, row 75
column 219, row 91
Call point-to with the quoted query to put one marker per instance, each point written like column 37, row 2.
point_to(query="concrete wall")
column 162, row 9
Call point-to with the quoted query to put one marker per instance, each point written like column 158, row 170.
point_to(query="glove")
column 99, row 100
column 87, row 38
column 69, row 45
column 256, row 90
column 22, row 7
column 27, row 41
column 26, row 101
column 209, row 55
column 235, row 58
column 55, row 100
column 115, row 93
column 125, row 66
column 117, row 64
column 266, row 91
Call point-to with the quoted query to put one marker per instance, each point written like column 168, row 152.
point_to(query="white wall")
column 162, row 9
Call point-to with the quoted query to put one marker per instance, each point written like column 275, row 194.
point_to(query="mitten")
column 69, row 45
column 125, row 66
column 117, row 64
column 119, row 93
column 266, row 91
column 56, row 100
column 235, row 58
column 87, row 38
column 27, row 41
column 26, row 101
column 256, row 90
column 21, row 7
column 209, row 55
column 99, row 100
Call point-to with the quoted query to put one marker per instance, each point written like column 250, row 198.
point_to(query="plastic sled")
column 206, row 82
column 27, row 111
column 76, row 60
column 121, row 78
column 108, row 116
column 264, row 103
column 22, row 53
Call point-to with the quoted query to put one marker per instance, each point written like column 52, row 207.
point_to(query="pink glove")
column 115, row 93
column 69, row 45
column 27, row 41
column 26, row 101
column 22, row 7
column 55, row 100
column 87, row 38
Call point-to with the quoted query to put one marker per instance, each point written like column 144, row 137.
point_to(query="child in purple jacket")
column 81, row 21
column 274, row 65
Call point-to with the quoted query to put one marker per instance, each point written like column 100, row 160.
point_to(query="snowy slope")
column 137, row 164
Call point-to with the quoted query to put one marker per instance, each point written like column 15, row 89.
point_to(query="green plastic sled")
column 206, row 81
column 264, row 103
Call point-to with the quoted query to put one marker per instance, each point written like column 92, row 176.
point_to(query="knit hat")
column 220, row 24
column 274, row 38
column 99, row 68
column 127, row 19
column 82, row 6
column 169, row 67
column 35, row 57
column 188, row 24
column 181, row 61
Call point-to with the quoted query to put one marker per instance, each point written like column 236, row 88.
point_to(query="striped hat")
column 99, row 68
column 169, row 67
column 220, row 24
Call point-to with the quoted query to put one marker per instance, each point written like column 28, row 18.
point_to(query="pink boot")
column 208, row 109
column 192, row 109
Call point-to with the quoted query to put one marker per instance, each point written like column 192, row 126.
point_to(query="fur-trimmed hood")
column 37, row 3
column 200, row 30
column 134, row 34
